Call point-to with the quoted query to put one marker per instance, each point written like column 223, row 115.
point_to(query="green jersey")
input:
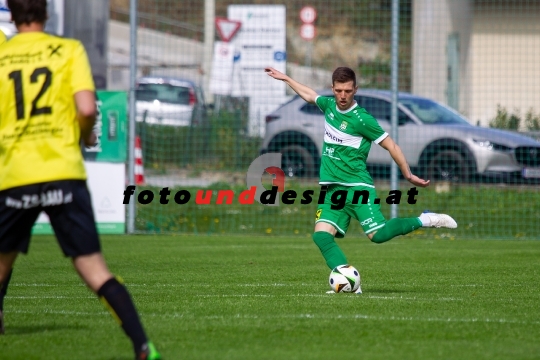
column 347, row 140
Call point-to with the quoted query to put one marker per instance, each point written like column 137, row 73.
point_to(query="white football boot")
column 430, row 219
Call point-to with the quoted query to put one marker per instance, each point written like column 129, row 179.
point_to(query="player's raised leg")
column 403, row 226
column 380, row 230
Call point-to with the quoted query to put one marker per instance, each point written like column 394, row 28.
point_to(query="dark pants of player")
column 68, row 205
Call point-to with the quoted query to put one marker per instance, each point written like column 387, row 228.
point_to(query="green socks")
column 329, row 249
column 395, row 227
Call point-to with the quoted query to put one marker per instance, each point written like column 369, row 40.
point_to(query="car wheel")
column 297, row 161
column 448, row 165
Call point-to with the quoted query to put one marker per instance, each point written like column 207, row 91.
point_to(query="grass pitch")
column 218, row 297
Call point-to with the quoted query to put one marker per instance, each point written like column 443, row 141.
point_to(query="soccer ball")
column 344, row 278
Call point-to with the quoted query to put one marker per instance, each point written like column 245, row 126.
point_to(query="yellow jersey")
column 39, row 130
column 3, row 38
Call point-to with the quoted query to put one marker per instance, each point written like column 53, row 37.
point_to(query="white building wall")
column 505, row 59
column 433, row 22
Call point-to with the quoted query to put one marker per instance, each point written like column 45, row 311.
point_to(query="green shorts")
column 368, row 215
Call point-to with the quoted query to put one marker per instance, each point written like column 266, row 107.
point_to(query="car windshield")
column 164, row 93
column 430, row 112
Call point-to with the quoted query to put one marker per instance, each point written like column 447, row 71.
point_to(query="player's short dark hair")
column 28, row 11
column 343, row 74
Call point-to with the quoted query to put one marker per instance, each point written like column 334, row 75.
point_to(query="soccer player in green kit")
column 349, row 132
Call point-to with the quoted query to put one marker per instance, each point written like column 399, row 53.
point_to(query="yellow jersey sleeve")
column 81, row 74
column 3, row 38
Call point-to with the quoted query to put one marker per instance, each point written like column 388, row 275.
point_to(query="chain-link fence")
column 468, row 113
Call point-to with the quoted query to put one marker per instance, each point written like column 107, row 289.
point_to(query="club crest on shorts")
column 343, row 125
column 318, row 214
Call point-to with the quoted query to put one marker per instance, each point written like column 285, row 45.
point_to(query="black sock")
column 3, row 289
column 117, row 299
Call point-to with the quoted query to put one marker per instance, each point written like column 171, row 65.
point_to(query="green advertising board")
column 105, row 166
column 110, row 128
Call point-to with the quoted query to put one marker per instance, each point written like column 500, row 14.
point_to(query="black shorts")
column 68, row 205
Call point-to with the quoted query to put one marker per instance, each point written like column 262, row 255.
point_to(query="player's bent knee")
column 379, row 237
column 324, row 226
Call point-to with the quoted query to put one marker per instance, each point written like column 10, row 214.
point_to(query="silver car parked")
column 163, row 100
column 437, row 141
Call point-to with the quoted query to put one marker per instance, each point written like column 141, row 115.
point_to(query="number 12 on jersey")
column 17, row 77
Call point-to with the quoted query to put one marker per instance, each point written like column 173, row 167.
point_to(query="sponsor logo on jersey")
column 333, row 137
column 367, row 221
column 329, row 151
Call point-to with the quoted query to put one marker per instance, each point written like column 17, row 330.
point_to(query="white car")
column 437, row 141
column 170, row 101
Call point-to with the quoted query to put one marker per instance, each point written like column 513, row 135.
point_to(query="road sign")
column 307, row 31
column 308, row 14
column 222, row 68
column 227, row 28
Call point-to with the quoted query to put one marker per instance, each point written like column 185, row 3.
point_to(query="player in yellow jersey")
column 47, row 108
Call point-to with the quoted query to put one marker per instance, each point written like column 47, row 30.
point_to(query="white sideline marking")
column 41, row 285
column 276, row 284
column 254, row 295
column 326, row 294
column 239, row 295
column 52, row 297
column 261, row 285
column 58, row 312
column 158, row 285
column 292, row 316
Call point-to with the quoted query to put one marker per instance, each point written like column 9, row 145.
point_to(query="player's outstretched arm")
column 399, row 158
column 85, row 101
column 305, row 92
